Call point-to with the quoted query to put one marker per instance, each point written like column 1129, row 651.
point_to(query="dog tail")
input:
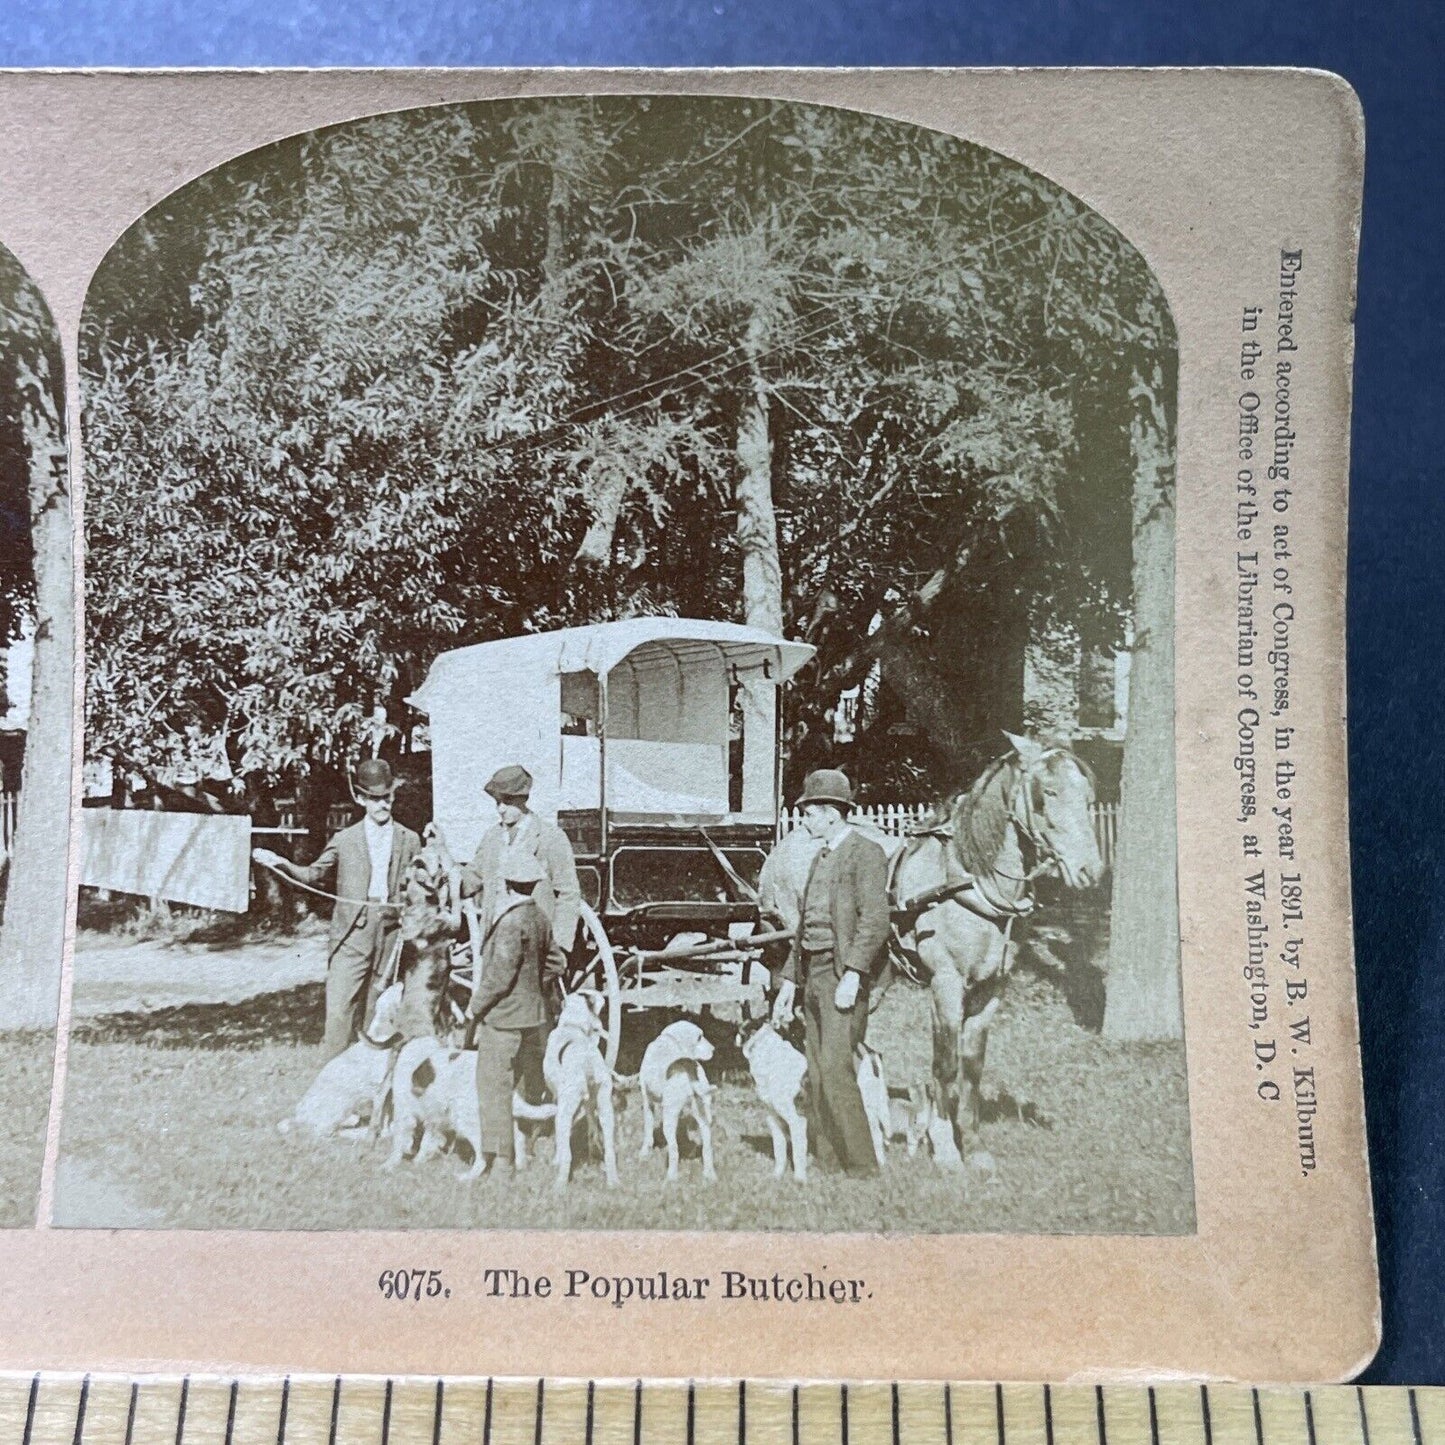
column 521, row 1109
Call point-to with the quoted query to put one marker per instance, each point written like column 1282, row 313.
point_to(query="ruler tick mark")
column 30, row 1410
column 1099, row 1415
column 998, row 1412
column 436, row 1426
column 537, row 1427
column 1415, row 1418
column 795, row 1415
column 1153, row 1418
column 335, row 1410
column 181, row 1412
column 1258, row 1418
column 691, row 1412
column 129, row 1414
column 1310, row 1418
column 1049, row 1415
column 1205, row 1412
column 1364, row 1417
column 637, row 1414
column 948, row 1415
column 896, row 1440
column 591, row 1403
column 487, row 1416
column 231, row 1411
column 742, row 1413
column 80, row 1410
column 844, row 1397
column 386, row 1413
column 285, row 1401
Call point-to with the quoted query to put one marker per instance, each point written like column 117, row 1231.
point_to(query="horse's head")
column 1053, row 810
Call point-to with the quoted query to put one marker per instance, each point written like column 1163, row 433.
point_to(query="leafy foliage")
column 432, row 378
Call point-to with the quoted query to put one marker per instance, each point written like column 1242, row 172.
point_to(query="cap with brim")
column 512, row 781
column 828, row 785
column 373, row 779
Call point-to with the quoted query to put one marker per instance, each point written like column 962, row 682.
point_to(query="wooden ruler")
column 364, row 1410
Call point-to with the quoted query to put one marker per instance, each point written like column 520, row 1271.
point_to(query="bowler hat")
column 373, row 779
column 513, row 781
column 828, row 785
column 519, row 866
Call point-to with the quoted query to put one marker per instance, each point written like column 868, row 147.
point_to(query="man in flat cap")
column 507, row 1003
column 519, row 831
column 840, row 941
column 371, row 860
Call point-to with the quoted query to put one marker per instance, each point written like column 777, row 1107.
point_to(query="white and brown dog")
column 345, row 1089
column 673, row 1079
column 434, row 1090
column 778, row 1070
column 580, row 1081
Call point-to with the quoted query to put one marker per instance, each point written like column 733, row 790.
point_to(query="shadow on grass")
column 287, row 1016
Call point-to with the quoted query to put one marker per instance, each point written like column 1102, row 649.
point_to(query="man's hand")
column 847, row 992
column 783, row 1004
column 266, row 857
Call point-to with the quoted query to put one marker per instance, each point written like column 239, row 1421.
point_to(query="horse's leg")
column 946, row 986
column 983, row 1005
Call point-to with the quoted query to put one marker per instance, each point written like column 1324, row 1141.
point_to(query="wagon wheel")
column 593, row 964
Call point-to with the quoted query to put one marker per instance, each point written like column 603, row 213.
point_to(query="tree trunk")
column 757, row 533
column 1142, row 1000
column 33, row 937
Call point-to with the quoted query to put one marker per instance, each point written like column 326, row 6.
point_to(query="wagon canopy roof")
column 602, row 646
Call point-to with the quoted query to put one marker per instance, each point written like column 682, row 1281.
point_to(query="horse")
column 956, row 889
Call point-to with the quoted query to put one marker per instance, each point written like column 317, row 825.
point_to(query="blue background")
column 1392, row 53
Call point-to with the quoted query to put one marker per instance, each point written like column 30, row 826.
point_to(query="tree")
column 1142, row 999
column 33, row 936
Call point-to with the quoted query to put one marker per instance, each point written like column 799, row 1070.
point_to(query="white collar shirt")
column 378, row 845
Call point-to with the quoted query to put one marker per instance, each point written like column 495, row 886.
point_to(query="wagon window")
column 579, row 704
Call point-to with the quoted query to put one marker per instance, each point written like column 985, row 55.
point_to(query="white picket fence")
column 900, row 817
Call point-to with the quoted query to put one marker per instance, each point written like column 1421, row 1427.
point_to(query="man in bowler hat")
column 520, row 831
column 507, row 1003
column 371, row 860
column 840, row 942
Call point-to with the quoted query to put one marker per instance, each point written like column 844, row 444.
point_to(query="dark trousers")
column 502, row 1057
column 839, row 1132
column 353, row 979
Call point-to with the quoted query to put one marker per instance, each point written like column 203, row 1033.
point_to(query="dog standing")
column 778, row 1070
column 347, row 1085
column 673, row 1078
column 434, row 1089
column 579, row 1079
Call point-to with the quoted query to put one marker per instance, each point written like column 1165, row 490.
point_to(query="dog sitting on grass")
column 343, row 1092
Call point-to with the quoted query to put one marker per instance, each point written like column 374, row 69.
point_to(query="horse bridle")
column 1023, row 814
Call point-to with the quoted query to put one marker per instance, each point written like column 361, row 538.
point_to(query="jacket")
column 347, row 854
column 558, row 895
column 859, row 909
column 508, row 991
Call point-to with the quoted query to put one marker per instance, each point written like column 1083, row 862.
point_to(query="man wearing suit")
column 838, row 947
column 372, row 860
column 507, row 1003
column 520, row 831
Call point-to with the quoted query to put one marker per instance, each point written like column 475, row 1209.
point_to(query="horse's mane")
column 980, row 815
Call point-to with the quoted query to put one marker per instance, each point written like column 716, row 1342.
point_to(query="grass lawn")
column 26, row 1060
column 170, row 1120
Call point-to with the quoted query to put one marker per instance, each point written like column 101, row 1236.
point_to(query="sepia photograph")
column 629, row 684
column 37, row 617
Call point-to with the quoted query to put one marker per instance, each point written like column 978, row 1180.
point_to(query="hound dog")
column 672, row 1077
column 778, row 1070
column 347, row 1086
column 431, row 917
column 578, row 1076
column 434, row 1090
